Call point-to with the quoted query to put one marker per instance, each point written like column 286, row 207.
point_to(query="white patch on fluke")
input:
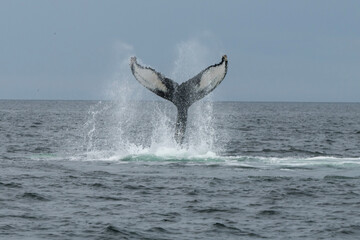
column 212, row 77
column 149, row 79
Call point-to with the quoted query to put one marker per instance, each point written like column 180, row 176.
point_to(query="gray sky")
column 277, row 50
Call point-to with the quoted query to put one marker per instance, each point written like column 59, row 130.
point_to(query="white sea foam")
column 266, row 162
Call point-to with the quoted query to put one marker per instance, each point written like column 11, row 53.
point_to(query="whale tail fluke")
column 183, row 95
column 154, row 81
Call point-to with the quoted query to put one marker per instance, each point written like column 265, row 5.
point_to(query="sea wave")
column 168, row 155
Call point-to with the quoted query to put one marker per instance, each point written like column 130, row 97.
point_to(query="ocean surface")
column 111, row 170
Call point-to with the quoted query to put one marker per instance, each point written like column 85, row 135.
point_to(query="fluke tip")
column 132, row 60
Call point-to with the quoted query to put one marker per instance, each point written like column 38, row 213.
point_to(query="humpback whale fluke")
column 183, row 95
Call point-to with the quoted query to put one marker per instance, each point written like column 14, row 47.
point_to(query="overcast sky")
column 277, row 50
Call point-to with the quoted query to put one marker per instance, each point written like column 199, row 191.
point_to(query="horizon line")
column 160, row 100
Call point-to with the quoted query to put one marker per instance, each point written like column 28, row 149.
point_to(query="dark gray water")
column 89, row 170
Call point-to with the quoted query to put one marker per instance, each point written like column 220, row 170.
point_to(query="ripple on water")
column 120, row 233
column 33, row 196
column 11, row 185
column 219, row 228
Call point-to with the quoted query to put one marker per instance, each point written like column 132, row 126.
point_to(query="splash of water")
column 192, row 57
column 126, row 127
